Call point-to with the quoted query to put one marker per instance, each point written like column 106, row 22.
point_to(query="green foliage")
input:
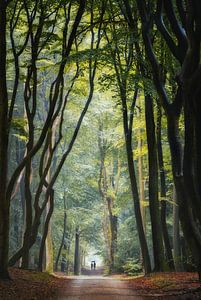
column 132, row 267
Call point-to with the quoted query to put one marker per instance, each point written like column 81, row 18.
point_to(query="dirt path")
column 32, row 285
column 98, row 288
column 107, row 288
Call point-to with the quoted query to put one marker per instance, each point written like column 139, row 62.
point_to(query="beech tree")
column 184, row 22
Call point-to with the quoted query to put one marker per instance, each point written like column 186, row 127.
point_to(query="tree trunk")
column 45, row 231
column 143, row 243
column 62, row 242
column 141, row 181
column 190, row 230
column 68, row 257
column 166, row 238
column 49, row 254
column 134, row 188
column 77, row 253
column 109, row 202
column 158, row 250
column 4, row 203
column 176, row 236
column 113, row 234
column 28, row 209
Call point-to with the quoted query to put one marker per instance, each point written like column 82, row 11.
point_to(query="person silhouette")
column 94, row 265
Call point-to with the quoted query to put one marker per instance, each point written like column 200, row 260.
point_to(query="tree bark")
column 63, row 236
column 49, row 252
column 28, row 210
column 141, row 177
column 106, row 182
column 68, row 257
column 62, row 243
column 4, row 203
column 113, row 233
column 176, row 235
column 45, row 231
column 158, row 250
column 166, row 238
column 77, row 253
column 133, row 181
column 190, row 230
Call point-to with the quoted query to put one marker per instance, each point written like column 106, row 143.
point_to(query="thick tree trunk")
column 45, row 232
column 166, row 238
column 113, row 234
column 158, row 250
column 138, row 216
column 4, row 203
column 28, row 213
column 191, row 177
column 134, row 188
column 176, row 236
column 49, row 253
column 114, row 237
column 190, row 230
column 197, row 126
column 77, row 253
column 191, row 158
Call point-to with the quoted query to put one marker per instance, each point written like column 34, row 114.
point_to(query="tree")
column 122, row 72
column 4, row 135
column 77, row 252
column 185, row 27
column 108, row 187
column 158, row 250
column 30, row 96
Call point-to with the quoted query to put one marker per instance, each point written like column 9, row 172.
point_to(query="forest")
column 100, row 136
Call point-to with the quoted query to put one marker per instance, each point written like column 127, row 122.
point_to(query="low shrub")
column 132, row 267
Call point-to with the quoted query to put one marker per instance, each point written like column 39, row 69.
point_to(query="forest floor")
column 31, row 285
